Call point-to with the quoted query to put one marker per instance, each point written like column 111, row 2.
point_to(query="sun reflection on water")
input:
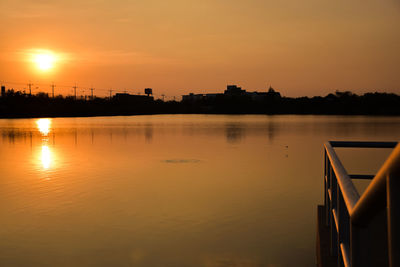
column 46, row 157
column 43, row 126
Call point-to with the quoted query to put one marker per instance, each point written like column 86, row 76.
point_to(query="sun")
column 44, row 61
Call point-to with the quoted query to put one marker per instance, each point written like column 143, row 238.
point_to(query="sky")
column 301, row 48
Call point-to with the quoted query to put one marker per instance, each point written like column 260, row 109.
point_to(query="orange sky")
column 308, row 47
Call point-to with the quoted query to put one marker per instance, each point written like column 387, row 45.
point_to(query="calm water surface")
column 171, row 190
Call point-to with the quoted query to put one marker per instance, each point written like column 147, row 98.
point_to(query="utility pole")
column 30, row 88
column 75, row 90
column 110, row 92
column 52, row 88
column 92, row 89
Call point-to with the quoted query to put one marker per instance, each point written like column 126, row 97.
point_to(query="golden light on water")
column 44, row 126
column 46, row 157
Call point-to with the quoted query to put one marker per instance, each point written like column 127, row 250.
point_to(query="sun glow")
column 43, row 126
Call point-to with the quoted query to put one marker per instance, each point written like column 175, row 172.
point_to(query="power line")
column 62, row 87
column 30, row 89
column 58, row 85
column 52, row 88
column 74, row 90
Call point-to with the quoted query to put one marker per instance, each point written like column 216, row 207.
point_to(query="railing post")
column 338, row 227
column 393, row 219
column 327, row 185
column 369, row 242
column 334, row 245
column 344, row 225
column 356, row 257
column 325, row 189
column 360, row 252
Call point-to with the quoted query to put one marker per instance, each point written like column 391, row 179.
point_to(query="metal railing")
column 364, row 230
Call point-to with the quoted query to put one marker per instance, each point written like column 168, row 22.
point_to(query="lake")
column 172, row 190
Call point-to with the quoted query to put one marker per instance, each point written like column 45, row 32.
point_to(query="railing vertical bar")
column 339, row 226
column 344, row 224
column 325, row 189
column 333, row 223
column 327, row 183
column 393, row 219
column 339, row 231
column 345, row 253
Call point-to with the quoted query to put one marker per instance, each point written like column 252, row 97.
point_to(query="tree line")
column 16, row 104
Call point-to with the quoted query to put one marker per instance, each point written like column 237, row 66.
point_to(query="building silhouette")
column 125, row 98
column 148, row 91
column 235, row 92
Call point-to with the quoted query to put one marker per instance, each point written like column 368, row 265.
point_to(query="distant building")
column 148, row 91
column 132, row 99
column 192, row 97
column 272, row 94
column 234, row 91
column 212, row 96
column 257, row 96
column 3, row 91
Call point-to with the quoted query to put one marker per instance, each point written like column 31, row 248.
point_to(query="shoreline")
column 224, row 114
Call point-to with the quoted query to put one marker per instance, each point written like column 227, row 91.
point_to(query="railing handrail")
column 350, row 193
column 375, row 194
column 347, row 212
column 363, row 144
